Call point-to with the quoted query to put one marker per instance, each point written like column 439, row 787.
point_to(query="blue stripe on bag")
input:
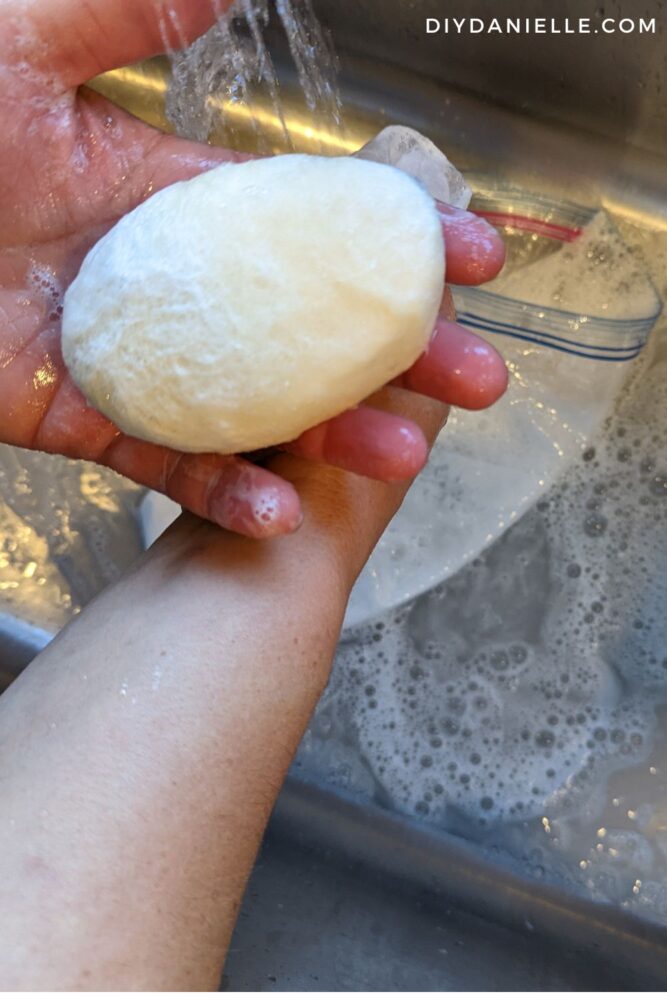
column 594, row 337
column 544, row 340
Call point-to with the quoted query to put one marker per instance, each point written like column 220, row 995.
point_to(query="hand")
column 72, row 165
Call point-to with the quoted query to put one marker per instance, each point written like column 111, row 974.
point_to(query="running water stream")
column 227, row 77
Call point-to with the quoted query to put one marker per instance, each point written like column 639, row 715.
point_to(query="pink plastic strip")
column 555, row 232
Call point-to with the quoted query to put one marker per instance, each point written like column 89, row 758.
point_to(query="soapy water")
column 46, row 286
column 517, row 704
column 596, row 274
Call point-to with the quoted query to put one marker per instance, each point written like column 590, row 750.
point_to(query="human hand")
column 71, row 166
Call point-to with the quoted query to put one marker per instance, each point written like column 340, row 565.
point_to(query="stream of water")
column 228, row 77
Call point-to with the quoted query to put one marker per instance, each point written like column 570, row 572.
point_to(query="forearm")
column 143, row 750
column 142, row 753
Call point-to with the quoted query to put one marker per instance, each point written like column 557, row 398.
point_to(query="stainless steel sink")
column 348, row 893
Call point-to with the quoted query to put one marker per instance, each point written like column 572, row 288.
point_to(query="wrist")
column 272, row 598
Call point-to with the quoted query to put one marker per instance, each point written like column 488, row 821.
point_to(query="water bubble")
column 499, row 660
column 595, row 525
column 658, row 485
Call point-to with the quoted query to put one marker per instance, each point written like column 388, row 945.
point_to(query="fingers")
column 226, row 490
column 41, row 408
column 74, row 40
column 71, row 427
column 458, row 368
column 229, row 491
column 345, row 514
column 378, row 445
column 474, row 250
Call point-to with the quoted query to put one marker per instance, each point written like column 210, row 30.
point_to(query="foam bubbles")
column 519, row 703
column 47, row 289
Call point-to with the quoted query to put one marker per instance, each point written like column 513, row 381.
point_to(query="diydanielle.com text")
column 539, row 25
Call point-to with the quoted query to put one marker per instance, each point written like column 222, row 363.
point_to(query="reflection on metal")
column 141, row 89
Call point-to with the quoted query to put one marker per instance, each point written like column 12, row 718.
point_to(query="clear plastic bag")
column 566, row 365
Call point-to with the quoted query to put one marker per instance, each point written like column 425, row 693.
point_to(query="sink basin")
column 359, row 885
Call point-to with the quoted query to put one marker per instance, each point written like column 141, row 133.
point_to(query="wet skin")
column 72, row 165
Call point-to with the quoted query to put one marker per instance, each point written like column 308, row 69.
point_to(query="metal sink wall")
column 607, row 84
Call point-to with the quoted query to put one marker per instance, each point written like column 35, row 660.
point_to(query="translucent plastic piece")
column 566, row 372
column 417, row 156
column 597, row 276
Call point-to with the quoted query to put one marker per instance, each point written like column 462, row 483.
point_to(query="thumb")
column 74, row 40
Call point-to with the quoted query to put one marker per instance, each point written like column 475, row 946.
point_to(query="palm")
column 72, row 165
column 67, row 177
